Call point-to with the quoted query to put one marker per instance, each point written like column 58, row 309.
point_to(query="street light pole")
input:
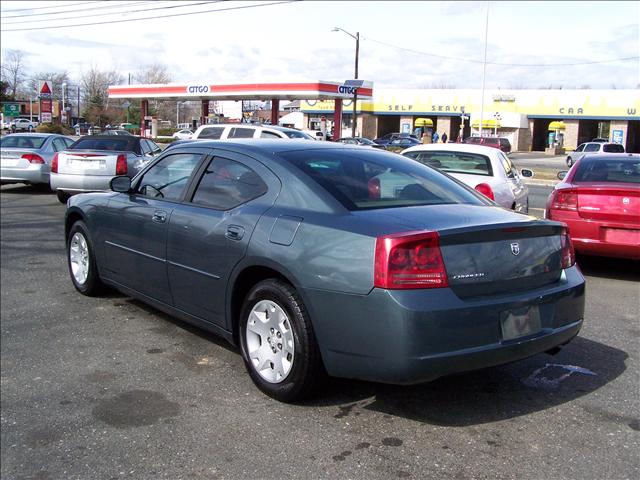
column 64, row 86
column 356, row 37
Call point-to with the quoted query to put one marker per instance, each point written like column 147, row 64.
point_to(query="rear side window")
column 506, row 164
column 265, row 134
column 371, row 180
column 237, row 132
column 18, row 141
column 297, row 134
column 226, row 184
column 58, row 144
column 168, row 178
column 613, row 148
column 592, row 147
column 213, row 133
column 624, row 171
column 454, row 162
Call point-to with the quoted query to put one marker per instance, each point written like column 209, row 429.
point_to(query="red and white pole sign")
column 44, row 92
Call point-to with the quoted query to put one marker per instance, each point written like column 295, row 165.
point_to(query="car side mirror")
column 121, row 184
column 562, row 174
column 526, row 173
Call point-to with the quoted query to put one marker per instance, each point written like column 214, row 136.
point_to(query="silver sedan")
column 26, row 157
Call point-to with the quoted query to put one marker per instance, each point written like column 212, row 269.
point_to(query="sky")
column 402, row 44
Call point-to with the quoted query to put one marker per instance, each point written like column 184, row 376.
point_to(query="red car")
column 599, row 200
column 495, row 142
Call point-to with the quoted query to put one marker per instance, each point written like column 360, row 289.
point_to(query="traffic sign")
column 11, row 109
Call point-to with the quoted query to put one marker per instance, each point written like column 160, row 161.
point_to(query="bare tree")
column 158, row 73
column 95, row 84
column 14, row 70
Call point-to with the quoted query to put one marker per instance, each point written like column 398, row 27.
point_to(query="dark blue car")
column 315, row 257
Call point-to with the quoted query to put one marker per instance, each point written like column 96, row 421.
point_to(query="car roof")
column 609, row 156
column 266, row 146
column 35, row 134
column 252, row 125
column 454, row 147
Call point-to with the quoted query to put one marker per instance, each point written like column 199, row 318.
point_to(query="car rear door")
column 209, row 234
column 135, row 224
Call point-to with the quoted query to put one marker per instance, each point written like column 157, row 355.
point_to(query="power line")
column 182, row 5
column 76, row 4
column 113, row 5
column 147, row 18
column 480, row 62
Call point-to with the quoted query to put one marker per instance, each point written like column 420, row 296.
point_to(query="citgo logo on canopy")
column 198, row 89
column 346, row 89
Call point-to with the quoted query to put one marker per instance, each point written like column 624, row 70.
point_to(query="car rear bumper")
column 34, row 173
column 591, row 238
column 414, row 336
column 80, row 183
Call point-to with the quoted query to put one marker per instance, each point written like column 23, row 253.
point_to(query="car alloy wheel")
column 277, row 342
column 270, row 343
column 81, row 261
column 79, row 258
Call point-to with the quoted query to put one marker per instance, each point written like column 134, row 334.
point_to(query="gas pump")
column 147, row 126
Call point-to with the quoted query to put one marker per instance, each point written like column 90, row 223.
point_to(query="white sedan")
column 183, row 135
column 486, row 169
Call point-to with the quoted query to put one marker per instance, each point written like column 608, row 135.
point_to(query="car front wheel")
column 62, row 196
column 277, row 342
column 82, row 262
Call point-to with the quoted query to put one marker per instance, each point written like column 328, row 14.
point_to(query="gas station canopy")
column 319, row 90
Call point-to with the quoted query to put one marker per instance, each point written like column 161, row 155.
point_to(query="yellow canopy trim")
column 556, row 126
column 423, row 122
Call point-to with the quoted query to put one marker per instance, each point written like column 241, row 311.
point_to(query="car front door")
column 209, row 234
column 135, row 225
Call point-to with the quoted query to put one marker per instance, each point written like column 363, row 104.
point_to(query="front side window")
column 168, row 178
column 211, row 133
column 370, row 180
column 580, row 148
column 238, row 132
column 454, row 162
column 226, row 184
column 297, row 134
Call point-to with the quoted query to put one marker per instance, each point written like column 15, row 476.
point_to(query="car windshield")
column 370, row 180
column 624, row 170
column 613, row 148
column 297, row 134
column 18, row 141
column 455, row 162
column 114, row 143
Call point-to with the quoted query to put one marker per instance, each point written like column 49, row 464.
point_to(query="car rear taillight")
column 565, row 200
column 568, row 253
column 121, row 165
column 485, row 189
column 54, row 164
column 33, row 158
column 374, row 187
column 409, row 260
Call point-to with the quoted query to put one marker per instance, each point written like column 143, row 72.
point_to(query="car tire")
column 277, row 342
column 62, row 196
column 81, row 261
column 569, row 162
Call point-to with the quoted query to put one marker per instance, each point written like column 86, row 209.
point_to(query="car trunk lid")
column 13, row 157
column 77, row 162
column 486, row 250
column 613, row 202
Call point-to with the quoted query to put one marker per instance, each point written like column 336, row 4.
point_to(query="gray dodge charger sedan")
column 321, row 258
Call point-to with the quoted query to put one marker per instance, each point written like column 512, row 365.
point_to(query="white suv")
column 593, row 147
column 247, row 130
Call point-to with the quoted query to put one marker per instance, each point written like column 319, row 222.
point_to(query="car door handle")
column 159, row 216
column 234, row 232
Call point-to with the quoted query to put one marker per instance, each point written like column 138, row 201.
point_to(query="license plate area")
column 520, row 322
column 87, row 164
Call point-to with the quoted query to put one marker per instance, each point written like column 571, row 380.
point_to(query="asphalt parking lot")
column 108, row 388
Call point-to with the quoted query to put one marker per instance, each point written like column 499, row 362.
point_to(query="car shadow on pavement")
column 19, row 188
column 489, row 395
column 614, row 268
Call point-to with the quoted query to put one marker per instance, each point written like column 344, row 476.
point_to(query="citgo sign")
column 198, row 89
